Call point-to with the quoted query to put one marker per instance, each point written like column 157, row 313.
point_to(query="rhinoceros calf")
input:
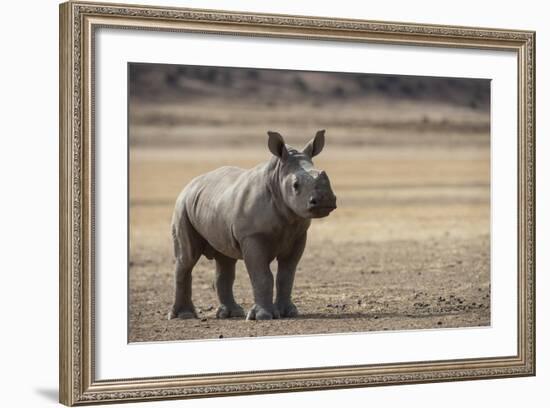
column 257, row 215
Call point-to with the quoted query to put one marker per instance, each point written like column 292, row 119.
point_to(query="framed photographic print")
column 262, row 203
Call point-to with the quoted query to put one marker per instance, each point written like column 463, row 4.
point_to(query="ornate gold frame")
column 78, row 21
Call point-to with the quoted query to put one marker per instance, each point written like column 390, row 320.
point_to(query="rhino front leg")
column 286, row 269
column 225, row 277
column 256, row 258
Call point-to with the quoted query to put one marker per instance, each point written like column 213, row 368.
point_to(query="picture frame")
column 79, row 23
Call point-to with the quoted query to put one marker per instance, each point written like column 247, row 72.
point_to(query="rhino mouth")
column 321, row 211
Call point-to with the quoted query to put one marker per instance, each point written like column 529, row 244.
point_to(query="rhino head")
column 303, row 188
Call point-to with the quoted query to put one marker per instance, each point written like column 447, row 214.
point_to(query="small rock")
column 204, row 319
column 220, row 336
column 359, row 301
column 439, row 323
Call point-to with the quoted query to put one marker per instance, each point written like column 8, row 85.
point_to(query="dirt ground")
column 407, row 248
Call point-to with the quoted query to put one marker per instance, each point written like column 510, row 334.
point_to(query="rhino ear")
column 276, row 145
column 315, row 145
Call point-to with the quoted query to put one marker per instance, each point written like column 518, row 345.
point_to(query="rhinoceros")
column 257, row 215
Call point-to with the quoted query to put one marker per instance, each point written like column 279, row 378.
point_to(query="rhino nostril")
column 312, row 201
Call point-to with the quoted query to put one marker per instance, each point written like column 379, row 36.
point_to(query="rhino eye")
column 295, row 186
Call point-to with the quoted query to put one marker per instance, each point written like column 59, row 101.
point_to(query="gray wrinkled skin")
column 257, row 215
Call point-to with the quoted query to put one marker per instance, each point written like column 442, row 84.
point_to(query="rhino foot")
column 227, row 311
column 287, row 309
column 182, row 313
column 258, row 312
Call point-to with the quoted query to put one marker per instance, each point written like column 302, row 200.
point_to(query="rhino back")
column 216, row 203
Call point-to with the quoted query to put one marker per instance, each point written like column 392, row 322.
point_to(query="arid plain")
column 407, row 248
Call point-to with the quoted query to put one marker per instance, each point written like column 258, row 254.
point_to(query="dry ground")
column 408, row 247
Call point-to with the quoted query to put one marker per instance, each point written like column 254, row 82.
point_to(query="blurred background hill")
column 154, row 82
column 198, row 105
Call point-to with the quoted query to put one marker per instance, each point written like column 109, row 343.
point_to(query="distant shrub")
column 211, row 75
column 365, row 82
column 253, row 74
column 171, row 79
column 381, row 86
column 338, row 91
column 300, row 84
column 227, row 79
column 406, row 89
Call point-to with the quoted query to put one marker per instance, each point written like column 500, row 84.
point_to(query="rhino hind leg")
column 183, row 307
column 225, row 277
column 188, row 247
